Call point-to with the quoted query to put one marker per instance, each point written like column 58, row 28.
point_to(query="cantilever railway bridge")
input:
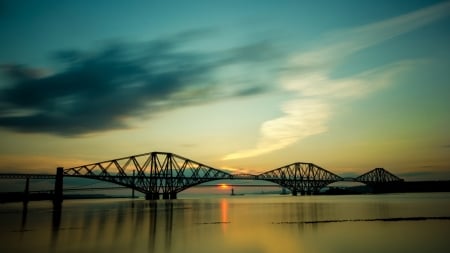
column 166, row 174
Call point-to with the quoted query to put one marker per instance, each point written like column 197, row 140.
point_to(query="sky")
column 243, row 86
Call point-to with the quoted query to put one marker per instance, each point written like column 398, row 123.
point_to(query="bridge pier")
column 58, row 195
column 132, row 188
column 26, row 193
column 169, row 195
column 156, row 195
column 152, row 196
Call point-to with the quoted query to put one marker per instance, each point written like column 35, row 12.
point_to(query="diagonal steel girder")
column 155, row 172
column 168, row 173
column 304, row 178
column 378, row 176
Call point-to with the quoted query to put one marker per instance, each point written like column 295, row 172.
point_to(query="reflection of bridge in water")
column 165, row 174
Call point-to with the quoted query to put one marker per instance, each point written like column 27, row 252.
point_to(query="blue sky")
column 239, row 85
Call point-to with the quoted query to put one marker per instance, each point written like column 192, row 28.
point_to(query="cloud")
column 36, row 163
column 308, row 78
column 336, row 46
column 302, row 118
column 431, row 173
column 101, row 90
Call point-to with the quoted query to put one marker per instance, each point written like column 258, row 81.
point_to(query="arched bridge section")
column 166, row 174
column 378, row 176
column 303, row 178
column 380, row 180
column 151, row 173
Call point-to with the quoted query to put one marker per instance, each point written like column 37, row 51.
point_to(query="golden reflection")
column 224, row 214
column 234, row 224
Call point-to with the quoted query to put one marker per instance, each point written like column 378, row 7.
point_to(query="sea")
column 403, row 222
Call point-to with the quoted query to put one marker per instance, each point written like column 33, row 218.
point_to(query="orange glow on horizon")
column 224, row 186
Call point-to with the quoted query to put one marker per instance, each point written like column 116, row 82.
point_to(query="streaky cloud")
column 320, row 85
column 337, row 45
column 97, row 91
column 303, row 117
column 307, row 76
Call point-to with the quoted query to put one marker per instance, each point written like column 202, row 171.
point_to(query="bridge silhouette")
column 166, row 174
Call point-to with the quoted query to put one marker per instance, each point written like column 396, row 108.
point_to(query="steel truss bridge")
column 166, row 174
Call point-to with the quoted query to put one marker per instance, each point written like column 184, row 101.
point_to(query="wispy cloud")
column 101, row 90
column 302, row 118
column 316, row 90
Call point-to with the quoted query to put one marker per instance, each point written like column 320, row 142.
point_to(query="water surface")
column 250, row 223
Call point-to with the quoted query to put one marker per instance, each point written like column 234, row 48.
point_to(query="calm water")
column 232, row 224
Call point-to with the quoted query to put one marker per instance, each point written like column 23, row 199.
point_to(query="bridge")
column 166, row 174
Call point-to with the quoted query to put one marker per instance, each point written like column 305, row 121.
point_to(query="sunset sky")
column 238, row 85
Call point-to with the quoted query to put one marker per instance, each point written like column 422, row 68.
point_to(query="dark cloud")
column 253, row 53
column 428, row 173
column 418, row 173
column 251, row 91
column 97, row 91
column 17, row 72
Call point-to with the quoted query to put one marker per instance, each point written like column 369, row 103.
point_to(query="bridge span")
column 166, row 174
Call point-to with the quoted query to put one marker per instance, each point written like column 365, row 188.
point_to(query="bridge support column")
column 152, row 196
column 26, row 193
column 132, row 189
column 58, row 194
column 294, row 193
column 168, row 195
